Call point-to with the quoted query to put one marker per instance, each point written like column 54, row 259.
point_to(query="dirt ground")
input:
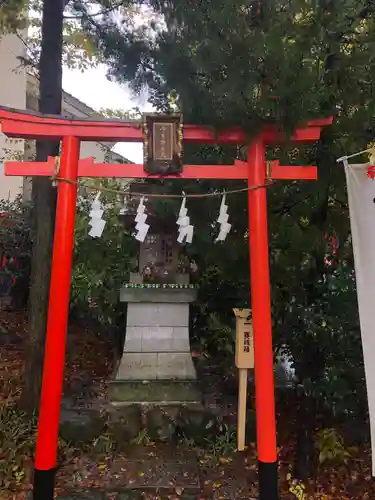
column 160, row 471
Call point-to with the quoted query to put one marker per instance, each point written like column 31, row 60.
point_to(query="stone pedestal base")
column 154, row 392
column 156, row 366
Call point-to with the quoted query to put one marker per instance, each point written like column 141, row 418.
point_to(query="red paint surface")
column 261, row 306
column 31, row 126
column 88, row 168
column 279, row 172
column 57, row 322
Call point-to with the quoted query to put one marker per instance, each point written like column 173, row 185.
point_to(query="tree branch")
column 341, row 203
column 96, row 14
column 286, row 208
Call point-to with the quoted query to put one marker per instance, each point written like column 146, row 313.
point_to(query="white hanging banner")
column 361, row 196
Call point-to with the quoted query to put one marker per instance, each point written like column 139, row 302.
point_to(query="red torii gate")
column 16, row 123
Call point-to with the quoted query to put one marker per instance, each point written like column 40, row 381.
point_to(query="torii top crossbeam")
column 16, row 123
column 32, row 125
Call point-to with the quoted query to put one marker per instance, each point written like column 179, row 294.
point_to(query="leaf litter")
column 155, row 469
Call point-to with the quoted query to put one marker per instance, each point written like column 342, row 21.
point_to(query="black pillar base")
column 268, row 487
column 44, row 484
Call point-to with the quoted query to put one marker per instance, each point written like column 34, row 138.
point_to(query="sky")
column 92, row 88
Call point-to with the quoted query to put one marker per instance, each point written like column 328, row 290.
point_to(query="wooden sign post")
column 244, row 360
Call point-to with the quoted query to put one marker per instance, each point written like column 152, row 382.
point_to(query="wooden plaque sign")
column 162, row 144
column 244, row 361
column 244, row 339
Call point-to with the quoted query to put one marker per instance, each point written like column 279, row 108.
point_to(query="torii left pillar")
column 53, row 371
column 262, row 326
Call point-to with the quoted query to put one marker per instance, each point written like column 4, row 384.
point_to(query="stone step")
column 154, row 391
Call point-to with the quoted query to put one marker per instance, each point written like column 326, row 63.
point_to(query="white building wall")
column 12, row 94
column 72, row 108
column 20, row 90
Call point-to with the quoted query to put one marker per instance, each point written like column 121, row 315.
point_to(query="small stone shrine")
column 156, row 365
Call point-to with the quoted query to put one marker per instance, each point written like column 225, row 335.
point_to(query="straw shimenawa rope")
column 56, row 178
column 160, row 195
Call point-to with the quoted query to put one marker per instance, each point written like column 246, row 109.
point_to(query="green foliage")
column 102, row 265
column 15, row 242
column 320, row 327
column 225, row 444
column 249, row 62
column 330, row 445
column 103, row 444
column 15, row 227
column 79, row 49
column 217, row 336
column 13, row 15
column 126, row 115
column 17, row 439
column 143, row 438
column 17, row 444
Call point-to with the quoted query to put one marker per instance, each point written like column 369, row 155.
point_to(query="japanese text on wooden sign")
column 244, row 339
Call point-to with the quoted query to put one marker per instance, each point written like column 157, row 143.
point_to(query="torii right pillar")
column 262, row 327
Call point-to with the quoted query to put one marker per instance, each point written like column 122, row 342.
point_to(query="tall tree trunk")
column 44, row 202
column 311, row 367
column 305, row 449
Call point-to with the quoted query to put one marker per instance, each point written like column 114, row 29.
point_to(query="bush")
column 330, row 445
column 322, row 332
column 101, row 265
column 15, row 249
column 17, row 440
